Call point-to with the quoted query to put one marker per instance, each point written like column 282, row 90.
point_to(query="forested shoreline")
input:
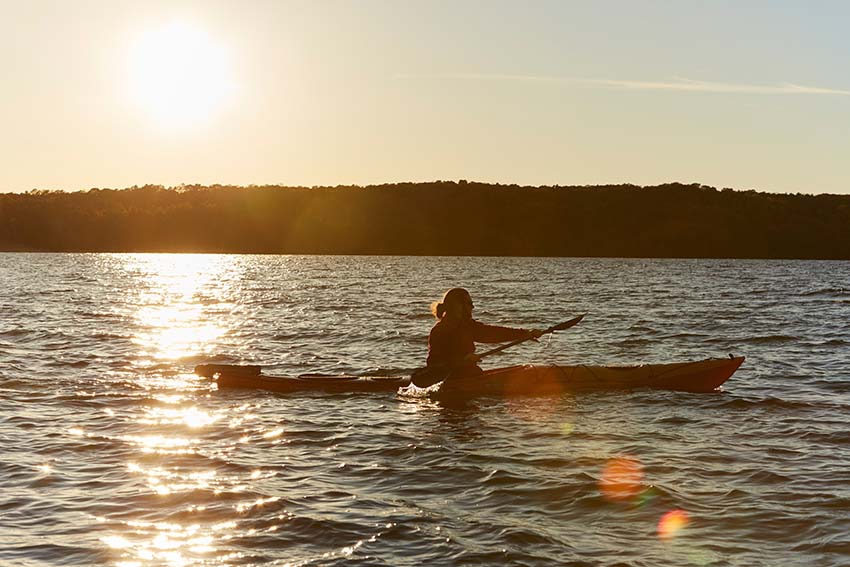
column 437, row 218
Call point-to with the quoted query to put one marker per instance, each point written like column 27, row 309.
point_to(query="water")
column 113, row 453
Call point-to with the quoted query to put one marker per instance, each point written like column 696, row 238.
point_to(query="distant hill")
column 439, row 218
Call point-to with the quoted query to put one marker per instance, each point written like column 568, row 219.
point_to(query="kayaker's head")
column 456, row 304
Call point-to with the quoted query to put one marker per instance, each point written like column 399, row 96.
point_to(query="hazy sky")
column 740, row 93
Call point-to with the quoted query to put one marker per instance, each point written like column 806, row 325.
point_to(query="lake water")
column 114, row 453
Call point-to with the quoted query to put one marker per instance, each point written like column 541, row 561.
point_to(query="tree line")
column 437, row 218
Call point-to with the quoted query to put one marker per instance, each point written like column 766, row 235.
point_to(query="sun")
column 179, row 75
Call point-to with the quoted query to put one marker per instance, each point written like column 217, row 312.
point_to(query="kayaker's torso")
column 451, row 340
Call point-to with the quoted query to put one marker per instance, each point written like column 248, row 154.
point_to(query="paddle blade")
column 425, row 377
column 566, row 324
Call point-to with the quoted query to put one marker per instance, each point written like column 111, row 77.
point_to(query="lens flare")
column 646, row 496
column 542, row 381
column 622, row 479
column 671, row 523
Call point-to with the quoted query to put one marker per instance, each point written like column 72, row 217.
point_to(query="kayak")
column 249, row 377
column 701, row 376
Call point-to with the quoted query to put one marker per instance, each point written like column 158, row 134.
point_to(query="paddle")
column 424, row 377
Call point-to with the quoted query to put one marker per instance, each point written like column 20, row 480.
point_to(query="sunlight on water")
column 174, row 332
column 241, row 415
column 206, row 493
column 191, row 417
column 161, row 444
column 147, row 544
column 173, row 296
column 170, row 398
column 273, row 433
column 163, row 481
column 258, row 503
column 180, row 382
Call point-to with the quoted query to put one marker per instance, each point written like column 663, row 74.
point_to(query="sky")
column 748, row 94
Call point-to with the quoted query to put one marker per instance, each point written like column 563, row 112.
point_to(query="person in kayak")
column 451, row 343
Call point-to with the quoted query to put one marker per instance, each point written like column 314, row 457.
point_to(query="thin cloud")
column 676, row 84
column 710, row 87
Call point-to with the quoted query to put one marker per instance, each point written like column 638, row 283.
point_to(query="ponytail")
column 438, row 309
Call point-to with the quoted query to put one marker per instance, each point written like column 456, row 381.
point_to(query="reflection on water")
column 163, row 481
column 161, row 444
column 148, row 543
column 173, row 296
column 176, row 299
column 191, row 417
column 174, row 332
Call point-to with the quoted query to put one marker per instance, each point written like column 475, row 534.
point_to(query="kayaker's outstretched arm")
column 483, row 333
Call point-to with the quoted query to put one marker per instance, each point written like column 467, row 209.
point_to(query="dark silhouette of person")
column 451, row 344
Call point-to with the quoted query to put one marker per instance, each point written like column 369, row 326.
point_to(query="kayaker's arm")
column 483, row 333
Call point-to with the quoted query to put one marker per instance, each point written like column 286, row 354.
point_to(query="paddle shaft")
column 559, row 327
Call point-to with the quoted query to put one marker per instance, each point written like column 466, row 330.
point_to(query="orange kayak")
column 702, row 376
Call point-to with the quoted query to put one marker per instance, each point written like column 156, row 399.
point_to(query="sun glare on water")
column 179, row 75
